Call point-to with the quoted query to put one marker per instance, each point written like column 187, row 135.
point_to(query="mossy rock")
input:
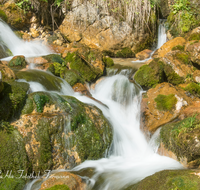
column 193, row 89
column 178, row 47
column 3, row 15
column 171, row 76
column 59, row 187
column 14, row 183
column 182, row 138
column 169, row 180
column 108, row 61
column 13, row 155
column 125, row 53
column 165, row 102
column 17, row 62
column 12, row 99
column 51, row 58
column 183, row 57
column 72, row 77
column 195, row 36
column 49, row 81
column 57, row 69
column 89, row 131
column 150, row 75
column 87, row 71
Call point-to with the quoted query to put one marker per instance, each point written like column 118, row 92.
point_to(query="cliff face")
column 109, row 25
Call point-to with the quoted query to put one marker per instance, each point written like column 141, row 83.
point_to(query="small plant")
column 40, row 101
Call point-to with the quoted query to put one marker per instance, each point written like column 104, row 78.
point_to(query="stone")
column 36, row 60
column 34, row 33
column 143, row 54
column 79, row 87
column 18, row 62
column 152, row 117
column 194, row 50
column 6, row 72
column 196, row 76
column 164, row 49
column 64, row 178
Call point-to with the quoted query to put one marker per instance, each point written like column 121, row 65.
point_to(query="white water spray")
column 162, row 36
column 20, row 47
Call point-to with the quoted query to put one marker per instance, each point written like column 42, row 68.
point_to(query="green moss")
column 72, row 77
column 169, row 180
column 195, row 36
column 17, row 61
column 57, row 69
column 108, row 61
column 51, row 58
column 193, row 89
column 12, row 99
column 183, row 57
column 28, row 108
column 40, row 101
column 49, row 81
column 165, row 103
column 88, row 72
column 108, row 53
column 181, row 137
column 59, row 187
column 3, row 15
column 13, row 155
column 149, row 75
column 125, row 53
column 171, row 76
column 178, row 47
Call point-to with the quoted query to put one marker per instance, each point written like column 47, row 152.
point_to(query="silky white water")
column 130, row 158
column 20, row 47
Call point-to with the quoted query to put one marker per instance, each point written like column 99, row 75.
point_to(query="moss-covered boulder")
column 170, row 179
column 18, row 62
column 150, row 75
column 163, row 104
column 4, row 51
column 72, row 77
column 182, row 138
column 125, row 53
column 57, row 69
column 51, row 58
column 12, row 99
column 194, row 50
column 49, row 81
column 108, row 61
column 62, row 132
column 193, row 89
column 7, row 73
column 83, row 66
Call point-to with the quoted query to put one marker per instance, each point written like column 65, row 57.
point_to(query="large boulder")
column 194, row 50
column 61, row 132
column 163, row 104
column 170, row 179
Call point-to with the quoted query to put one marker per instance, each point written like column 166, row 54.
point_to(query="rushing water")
column 18, row 46
column 131, row 158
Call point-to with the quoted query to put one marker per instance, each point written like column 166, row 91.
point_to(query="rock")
column 162, row 105
column 27, row 37
column 161, row 52
column 34, row 33
column 53, row 127
column 182, row 138
column 4, row 51
column 149, row 75
column 12, row 99
column 72, row 77
column 165, row 7
column 6, row 72
column 36, row 60
column 144, row 54
column 51, row 58
column 72, row 181
column 108, row 61
column 79, row 87
column 18, row 62
column 49, row 81
column 194, row 50
column 169, row 179
column 180, row 62
column 195, row 34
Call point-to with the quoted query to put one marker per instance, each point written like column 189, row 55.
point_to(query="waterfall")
column 162, row 36
column 18, row 46
column 131, row 157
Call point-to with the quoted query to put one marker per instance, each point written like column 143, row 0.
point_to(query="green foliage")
column 12, row 183
column 183, row 57
column 178, row 47
column 59, row 187
column 180, row 5
column 40, row 101
column 18, row 62
column 125, row 53
column 193, row 89
column 3, row 15
column 165, row 102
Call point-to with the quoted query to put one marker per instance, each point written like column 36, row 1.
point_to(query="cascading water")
column 162, row 36
column 131, row 157
column 18, row 46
